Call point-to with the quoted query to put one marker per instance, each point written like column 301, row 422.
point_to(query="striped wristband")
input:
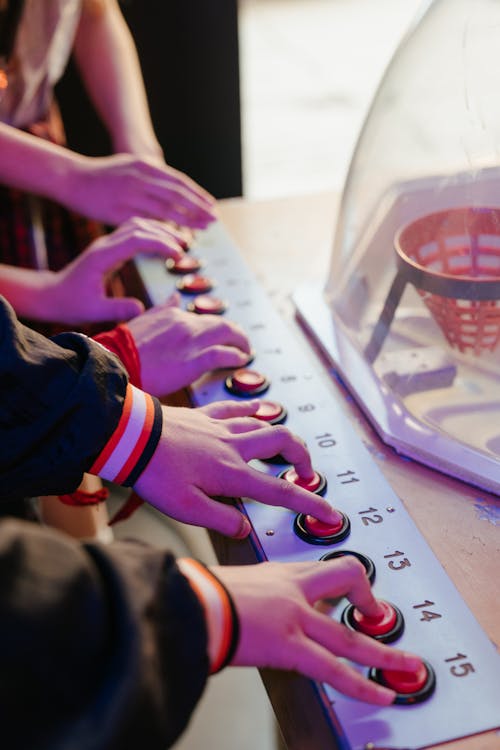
column 220, row 614
column 132, row 444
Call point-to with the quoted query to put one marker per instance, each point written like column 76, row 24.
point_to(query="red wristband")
column 80, row 498
column 120, row 341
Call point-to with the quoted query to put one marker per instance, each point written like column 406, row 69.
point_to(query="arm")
column 109, row 65
column 46, row 167
column 77, row 293
column 111, row 646
column 105, row 647
column 66, row 405
column 60, row 402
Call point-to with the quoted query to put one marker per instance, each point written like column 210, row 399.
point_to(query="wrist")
column 69, row 176
column 134, row 440
column 144, row 145
column 120, row 341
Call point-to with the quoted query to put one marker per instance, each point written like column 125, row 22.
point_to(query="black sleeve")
column 60, row 401
column 102, row 648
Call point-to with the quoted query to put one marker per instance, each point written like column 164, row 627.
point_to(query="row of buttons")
column 388, row 625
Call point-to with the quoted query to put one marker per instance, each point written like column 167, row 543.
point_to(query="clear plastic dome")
column 414, row 282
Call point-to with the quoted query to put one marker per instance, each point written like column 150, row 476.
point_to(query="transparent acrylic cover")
column 414, row 283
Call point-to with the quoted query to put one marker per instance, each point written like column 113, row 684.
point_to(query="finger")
column 345, row 576
column 280, row 441
column 319, row 664
column 218, row 358
column 273, row 491
column 114, row 250
column 356, row 646
column 215, row 331
column 201, row 510
column 172, row 201
column 166, row 173
column 243, row 425
column 228, row 409
column 119, row 308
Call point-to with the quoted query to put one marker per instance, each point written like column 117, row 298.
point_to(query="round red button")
column 248, row 380
column 270, row 411
column 203, row 304
column 310, row 484
column 405, row 682
column 320, row 529
column 313, row 531
column 378, row 625
column 185, row 264
column 194, row 284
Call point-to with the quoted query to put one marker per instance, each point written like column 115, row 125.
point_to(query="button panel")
column 462, row 662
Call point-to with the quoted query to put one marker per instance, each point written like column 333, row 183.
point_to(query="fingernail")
column 335, row 516
column 412, row 662
column 244, row 529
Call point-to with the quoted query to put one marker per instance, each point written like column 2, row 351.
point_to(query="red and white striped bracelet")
column 130, row 447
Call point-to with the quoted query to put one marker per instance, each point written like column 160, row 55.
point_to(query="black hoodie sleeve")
column 60, row 401
column 101, row 647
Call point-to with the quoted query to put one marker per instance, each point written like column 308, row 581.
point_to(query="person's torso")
column 41, row 50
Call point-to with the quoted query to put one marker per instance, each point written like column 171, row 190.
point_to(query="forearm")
column 28, row 291
column 112, row 643
column 60, row 402
column 109, row 65
column 36, row 166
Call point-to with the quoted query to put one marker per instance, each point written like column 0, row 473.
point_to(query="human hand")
column 203, row 454
column 176, row 347
column 77, row 293
column 299, row 636
column 113, row 189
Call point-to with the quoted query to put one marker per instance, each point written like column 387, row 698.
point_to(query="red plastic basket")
column 452, row 258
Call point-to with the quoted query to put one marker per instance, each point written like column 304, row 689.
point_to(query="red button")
column 405, row 682
column 269, row 411
column 378, row 625
column 248, row 380
column 185, row 264
column 319, row 529
column 194, row 284
column 311, row 484
column 204, row 304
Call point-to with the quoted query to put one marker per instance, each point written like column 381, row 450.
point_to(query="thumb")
column 121, row 308
column 229, row 521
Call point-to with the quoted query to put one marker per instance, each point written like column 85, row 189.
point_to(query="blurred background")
column 261, row 98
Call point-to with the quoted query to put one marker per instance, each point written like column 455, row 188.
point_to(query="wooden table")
column 461, row 523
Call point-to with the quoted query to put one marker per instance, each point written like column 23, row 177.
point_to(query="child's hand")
column 203, row 454
column 77, row 293
column 113, row 189
column 281, row 628
column 177, row 347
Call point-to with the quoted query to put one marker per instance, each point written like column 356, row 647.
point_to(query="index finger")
column 344, row 576
column 273, row 491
